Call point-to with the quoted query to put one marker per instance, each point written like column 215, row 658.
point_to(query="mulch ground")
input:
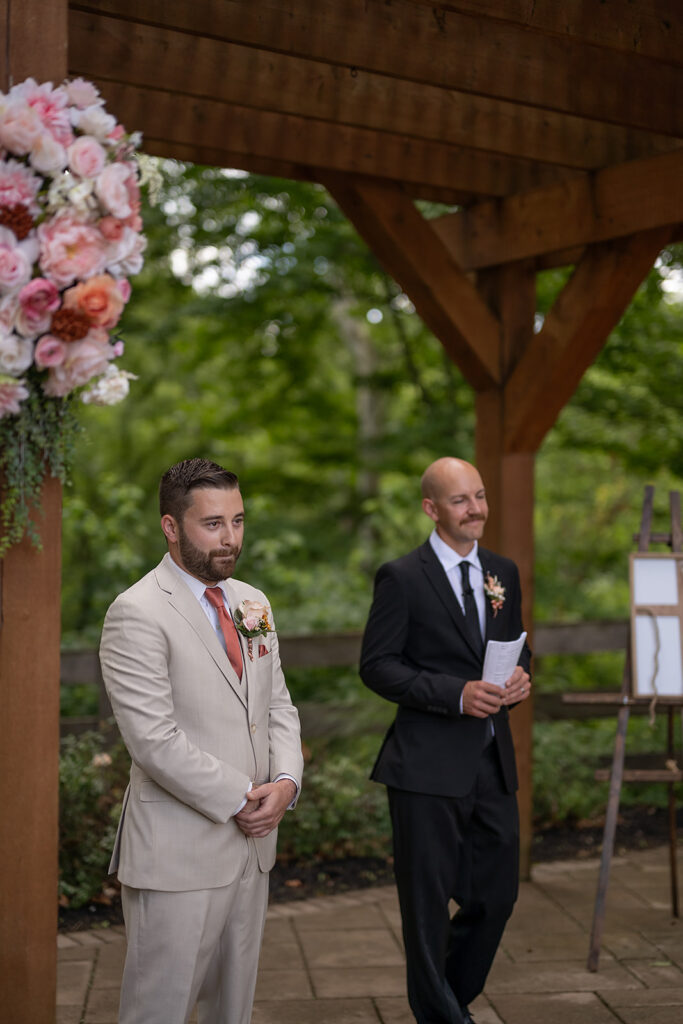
column 639, row 828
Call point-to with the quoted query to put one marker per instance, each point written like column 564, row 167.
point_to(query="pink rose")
column 70, row 249
column 86, row 157
column 12, row 393
column 82, row 94
column 50, row 351
column 111, row 228
column 18, row 186
column 16, row 264
column 20, row 126
column 84, row 359
column 51, row 106
column 112, row 191
column 38, row 300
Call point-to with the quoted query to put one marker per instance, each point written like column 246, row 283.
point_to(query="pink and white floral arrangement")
column 70, row 237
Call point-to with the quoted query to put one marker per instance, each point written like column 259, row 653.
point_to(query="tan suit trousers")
column 200, row 946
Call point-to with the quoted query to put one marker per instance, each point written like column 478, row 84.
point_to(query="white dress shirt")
column 450, row 560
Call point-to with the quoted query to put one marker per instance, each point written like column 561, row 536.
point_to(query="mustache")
column 224, row 553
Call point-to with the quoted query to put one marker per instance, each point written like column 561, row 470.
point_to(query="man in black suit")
column 448, row 759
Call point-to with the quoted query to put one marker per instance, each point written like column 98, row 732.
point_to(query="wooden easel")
column 617, row 775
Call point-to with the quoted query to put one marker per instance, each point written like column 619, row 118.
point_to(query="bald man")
column 447, row 760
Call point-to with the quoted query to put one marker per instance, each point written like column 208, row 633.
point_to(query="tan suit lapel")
column 181, row 598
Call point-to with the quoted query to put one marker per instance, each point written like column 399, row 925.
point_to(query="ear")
column 170, row 528
column 429, row 508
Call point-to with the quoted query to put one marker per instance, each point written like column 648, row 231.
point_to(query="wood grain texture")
column 446, row 300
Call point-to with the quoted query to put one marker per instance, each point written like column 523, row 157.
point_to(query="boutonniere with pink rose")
column 251, row 619
column 495, row 591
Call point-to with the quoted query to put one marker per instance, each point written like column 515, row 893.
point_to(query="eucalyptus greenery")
column 37, row 441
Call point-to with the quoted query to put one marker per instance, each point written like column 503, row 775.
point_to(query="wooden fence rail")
column 342, row 650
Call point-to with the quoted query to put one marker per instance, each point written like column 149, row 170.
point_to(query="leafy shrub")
column 340, row 813
column 92, row 782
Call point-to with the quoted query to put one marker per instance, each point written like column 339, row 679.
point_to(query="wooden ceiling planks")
column 194, row 65
column 455, row 100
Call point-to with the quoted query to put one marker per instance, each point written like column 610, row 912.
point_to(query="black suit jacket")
column 417, row 651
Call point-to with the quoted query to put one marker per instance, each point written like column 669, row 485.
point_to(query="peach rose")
column 86, row 157
column 50, row 351
column 37, row 301
column 84, row 360
column 70, row 249
column 99, row 297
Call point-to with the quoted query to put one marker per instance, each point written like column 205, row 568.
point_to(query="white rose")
column 93, row 120
column 16, row 354
column 124, row 257
column 109, row 389
column 47, row 155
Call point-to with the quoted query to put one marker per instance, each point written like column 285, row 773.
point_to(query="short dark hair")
column 178, row 482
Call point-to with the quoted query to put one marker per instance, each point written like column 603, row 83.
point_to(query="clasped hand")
column 265, row 807
column 481, row 699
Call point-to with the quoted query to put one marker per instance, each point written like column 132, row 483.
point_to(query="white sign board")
column 656, row 620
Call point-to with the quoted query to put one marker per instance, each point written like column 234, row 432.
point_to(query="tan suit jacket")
column 196, row 735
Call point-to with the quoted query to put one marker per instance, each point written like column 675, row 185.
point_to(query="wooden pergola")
column 555, row 127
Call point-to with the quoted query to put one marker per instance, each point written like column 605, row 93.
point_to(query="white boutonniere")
column 251, row 619
column 495, row 591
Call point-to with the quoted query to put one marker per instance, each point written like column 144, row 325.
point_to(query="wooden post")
column 509, row 480
column 29, row 658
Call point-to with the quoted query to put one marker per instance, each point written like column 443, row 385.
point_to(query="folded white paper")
column 501, row 659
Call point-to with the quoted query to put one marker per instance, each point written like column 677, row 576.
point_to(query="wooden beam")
column 34, row 44
column 467, row 52
column 190, row 121
column 613, row 203
column 181, row 62
column 575, row 329
column 406, row 246
column 509, row 480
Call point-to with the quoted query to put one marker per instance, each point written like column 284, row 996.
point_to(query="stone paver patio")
column 339, row 959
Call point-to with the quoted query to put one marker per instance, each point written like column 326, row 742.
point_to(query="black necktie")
column 471, row 613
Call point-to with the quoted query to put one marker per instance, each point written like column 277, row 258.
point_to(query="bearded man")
column 190, row 662
column 448, row 761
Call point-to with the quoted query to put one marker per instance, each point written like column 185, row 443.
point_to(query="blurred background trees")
column 264, row 335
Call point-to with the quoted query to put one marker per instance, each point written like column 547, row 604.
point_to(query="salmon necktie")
column 214, row 596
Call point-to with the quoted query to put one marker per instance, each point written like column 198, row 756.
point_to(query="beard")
column 208, row 566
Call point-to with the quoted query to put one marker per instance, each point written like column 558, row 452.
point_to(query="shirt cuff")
column 244, row 802
column 284, row 775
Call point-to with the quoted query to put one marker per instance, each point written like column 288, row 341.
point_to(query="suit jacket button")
column 253, row 726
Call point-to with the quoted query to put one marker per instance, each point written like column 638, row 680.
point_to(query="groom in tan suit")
column 216, row 761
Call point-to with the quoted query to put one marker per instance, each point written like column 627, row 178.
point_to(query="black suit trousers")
column 460, row 848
